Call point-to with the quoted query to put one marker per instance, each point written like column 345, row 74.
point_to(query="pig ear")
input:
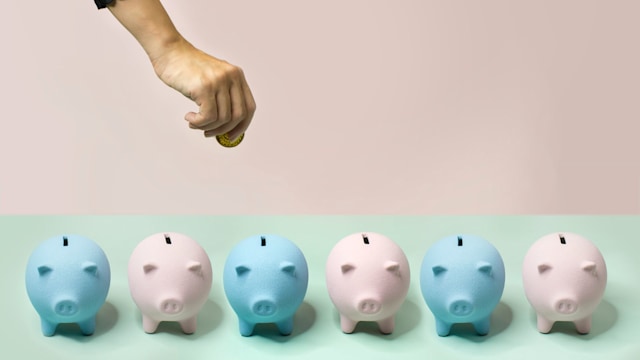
column 438, row 269
column 148, row 267
column 90, row 267
column 392, row 267
column 288, row 267
column 485, row 267
column 194, row 266
column 241, row 270
column 345, row 268
column 44, row 270
column 590, row 267
column 542, row 268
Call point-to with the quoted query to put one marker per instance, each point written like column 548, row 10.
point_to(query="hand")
column 226, row 105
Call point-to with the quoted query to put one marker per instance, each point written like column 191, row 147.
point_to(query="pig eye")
column 44, row 270
column 345, row 268
column 241, row 270
column 486, row 268
column 542, row 268
column 90, row 268
column 590, row 267
column 437, row 270
column 288, row 267
column 392, row 267
column 147, row 268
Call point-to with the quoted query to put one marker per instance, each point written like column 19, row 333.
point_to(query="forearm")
column 149, row 23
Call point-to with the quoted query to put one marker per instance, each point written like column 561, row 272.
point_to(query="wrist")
column 171, row 56
column 163, row 45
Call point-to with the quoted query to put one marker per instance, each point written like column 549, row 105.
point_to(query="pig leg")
column 544, row 325
column 149, row 325
column 285, row 326
column 347, row 325
column 583, row 326
column 48, row 328
column 482, row 326
column 386, row 325
column 88, row 326
column 188, row 326
column 442, row 328
column 246, row 328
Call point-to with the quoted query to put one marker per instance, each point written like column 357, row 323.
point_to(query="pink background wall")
column 364, row 106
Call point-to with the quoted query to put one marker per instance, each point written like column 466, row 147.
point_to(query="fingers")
column 223, row 99
column 225, row 103
column 207, row 115
column 235, row 110
column 249, row 106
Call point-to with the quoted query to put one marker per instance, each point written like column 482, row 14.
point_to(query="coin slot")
column 459, row 241
column 167, row 239
column 65, row 241
column 263, row 241
column 562, row 240
column 365, row 239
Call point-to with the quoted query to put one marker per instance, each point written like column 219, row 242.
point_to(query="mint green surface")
column 317, row 332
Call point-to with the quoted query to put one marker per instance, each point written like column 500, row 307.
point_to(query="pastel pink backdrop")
column 364, row 106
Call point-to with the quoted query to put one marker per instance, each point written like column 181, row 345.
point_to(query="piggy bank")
column 67, row 281
column 169, row 280
column 564, row 277
column 462, row 279
column 265, row 280
column 367, row 279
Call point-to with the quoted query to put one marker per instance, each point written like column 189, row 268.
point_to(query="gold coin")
column 226, row 142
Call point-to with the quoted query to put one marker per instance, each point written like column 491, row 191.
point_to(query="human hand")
column 226, row 105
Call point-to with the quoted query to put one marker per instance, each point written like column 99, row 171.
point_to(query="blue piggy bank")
column 67, row 281
column 462, row 279
column 265, row 280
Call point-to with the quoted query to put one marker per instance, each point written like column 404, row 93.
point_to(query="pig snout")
column 369, row 306
column 566, row 306
column 171, row 306
column 264, row 308
column 66, row 308
column 461, row 308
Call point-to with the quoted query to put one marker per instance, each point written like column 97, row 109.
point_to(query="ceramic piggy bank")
column 169, row 279
column 265, row 280
column 367, row 280
column 67, row 281
column 564, row 277
column 462, row 279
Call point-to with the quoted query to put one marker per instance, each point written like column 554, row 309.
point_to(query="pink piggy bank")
column 169, row 279
column 564, row 278
column 368, row 280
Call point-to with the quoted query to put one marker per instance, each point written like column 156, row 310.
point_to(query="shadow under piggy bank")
column 209, row 318
column 604, row 318
column 105, row 320
column 501, row 318
column 406, row 319
column 303, row 319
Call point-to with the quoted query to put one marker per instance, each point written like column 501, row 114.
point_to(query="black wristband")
column 101, row 4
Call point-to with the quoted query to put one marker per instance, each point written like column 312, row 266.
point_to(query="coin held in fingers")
column 225, row 141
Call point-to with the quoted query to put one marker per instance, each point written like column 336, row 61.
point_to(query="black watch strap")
column 101, row 4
